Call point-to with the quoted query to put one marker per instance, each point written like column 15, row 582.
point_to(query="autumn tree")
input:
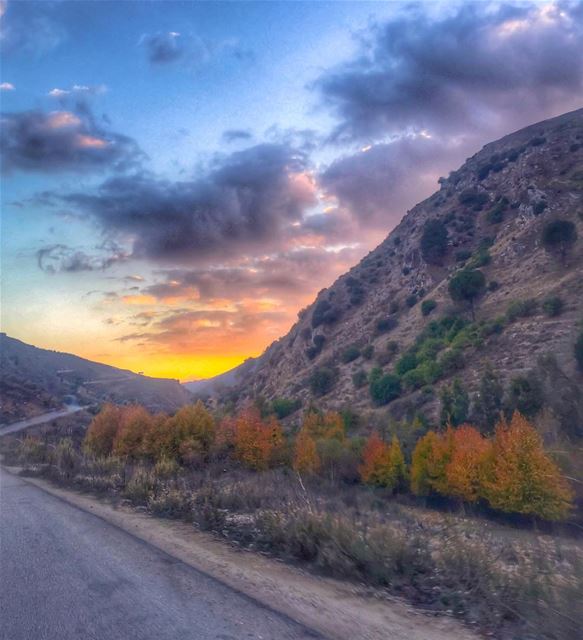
column 306, row 459
column 253, row 440
column 466, row 467
column 192, row 432
column 521, row 477
column 429, row 463
column 397, row 466
column 102, row 431
column 131, row 437
column 375, row 461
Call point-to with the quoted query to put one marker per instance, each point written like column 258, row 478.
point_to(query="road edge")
column 344, row 613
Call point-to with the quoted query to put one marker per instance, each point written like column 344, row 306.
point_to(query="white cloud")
column 7, row 86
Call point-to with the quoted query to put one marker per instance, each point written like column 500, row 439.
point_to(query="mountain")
column 222, row 382
column 392, row 315
column 34, row 380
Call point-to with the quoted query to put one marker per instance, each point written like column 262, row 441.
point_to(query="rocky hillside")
column 34, row 380
column 393, row 315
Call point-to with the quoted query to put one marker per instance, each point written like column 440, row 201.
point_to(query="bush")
column 322, row 380
column 539, row 207
column 386, row 324
column 368, row 352
column 473, row 198
column 427, row 306
column 383, row 387
column 359, row 379
column 462, row 255
column 434, row 241
column 324, row 313
column 283, row 407
column 553, row 306
column 350, row 354
column 411, row 300
column 524, row 395
column 407, row 362
column 521, row 309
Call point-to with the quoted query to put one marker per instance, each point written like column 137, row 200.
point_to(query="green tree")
column 559, row 236
column 434, row 241
column 488, row 401
column 466, row 286
column 384, row 387
column 455, row 404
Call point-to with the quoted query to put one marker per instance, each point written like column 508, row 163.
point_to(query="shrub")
column 407, row 362
column 283, row 407
column 322, row 380
column 493, row 285
column 368, row 352
column 434, row 241
column 393, row 307
column 324, row 313
column 359, row 379
column 521, row 309
column 560, row 236
column 553, row 306
column 411, row 300
column 537, row 141
column 386, row 324
column 427, row 306
column 496, row 215
column 350, row 354
column 462, row 255
column 473, row 198
column 524, row 395
column 539, row 207
column 384, row 387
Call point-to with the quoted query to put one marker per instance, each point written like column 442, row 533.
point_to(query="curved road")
column 67, row 575
column 45, row 417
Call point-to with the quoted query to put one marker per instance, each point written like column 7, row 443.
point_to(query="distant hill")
column 388, row 314
column 34, row 380
column 222, row 382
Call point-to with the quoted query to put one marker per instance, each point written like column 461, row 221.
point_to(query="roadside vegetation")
column 349, row 506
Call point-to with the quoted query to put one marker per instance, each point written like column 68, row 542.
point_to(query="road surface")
column 67, row 575
column 45, row 417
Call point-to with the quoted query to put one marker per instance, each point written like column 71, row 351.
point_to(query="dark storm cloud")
column 246, row 200
column 59, row 258
column 234, row 135
column 63, row 141
column 474, row 65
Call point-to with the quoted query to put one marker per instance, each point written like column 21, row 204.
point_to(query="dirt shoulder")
column 337, row 610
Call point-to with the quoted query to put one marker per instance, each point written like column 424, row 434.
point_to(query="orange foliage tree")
column 133, row 432
column 383, row 465
column 306, row 459
column 256, row 440
column 102, row 431
column 429, row 462
column 465, row 470
column 521, row 477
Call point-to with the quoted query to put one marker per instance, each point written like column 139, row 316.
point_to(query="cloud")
column 164, row 48
column 234, row 135
column 59, row 258
column 379, row 183
column 78, row 90
column 7, row 86
column 246, row 200
column 63, row 141
column 468, row 68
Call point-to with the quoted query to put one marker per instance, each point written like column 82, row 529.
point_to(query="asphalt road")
column 65, row 574
column 45, row 417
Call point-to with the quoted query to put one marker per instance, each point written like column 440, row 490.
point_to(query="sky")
column 180, row 179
